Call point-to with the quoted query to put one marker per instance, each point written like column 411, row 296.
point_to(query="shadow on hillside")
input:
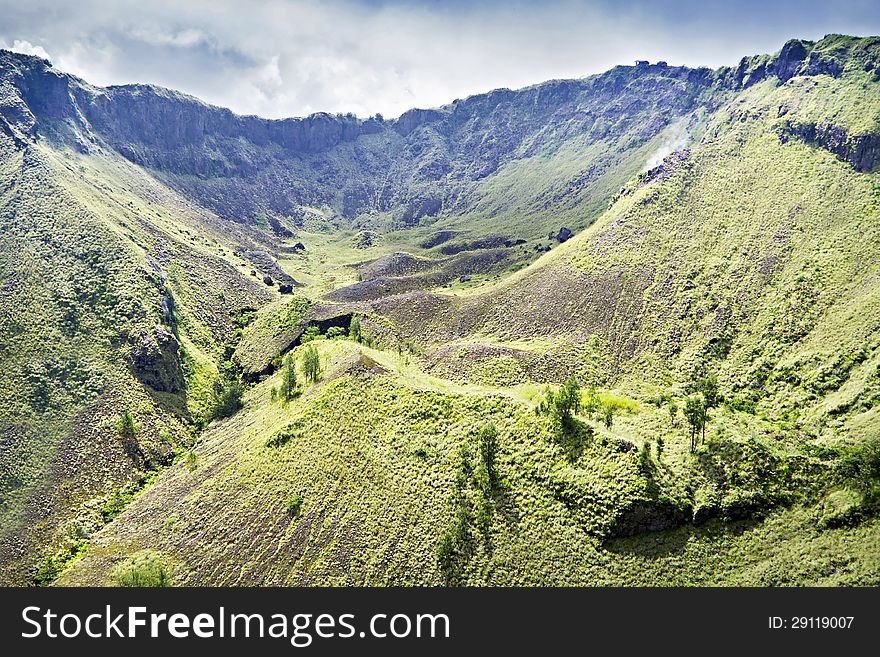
column 672, row 541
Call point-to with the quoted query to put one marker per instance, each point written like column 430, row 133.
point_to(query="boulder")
column 564, row 234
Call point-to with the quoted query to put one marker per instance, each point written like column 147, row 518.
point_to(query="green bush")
column 294, row 505
column 861, row 468
column 335, row 332
column 608, row 414
column 354, row 328
column 126, row 425
column 144, row 569
column 226, row 398
column 488, row 440
column 311, row 333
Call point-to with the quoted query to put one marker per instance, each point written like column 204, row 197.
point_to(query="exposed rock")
column 790, row 58
column 564, row 234
column 421, row 207
column 285, row 289
column 649, row 516
column 396, row 264
column 488, row 242
column 155, row 361
column 412, row 119
column 278, row 228
column 270, row 266
column 364, row 239
column 861, row 151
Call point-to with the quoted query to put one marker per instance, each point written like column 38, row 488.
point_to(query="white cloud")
column 27, row 48
column 291, row 57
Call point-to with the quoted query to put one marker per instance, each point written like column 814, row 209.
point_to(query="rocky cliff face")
column 425, row 162
column 861, row 151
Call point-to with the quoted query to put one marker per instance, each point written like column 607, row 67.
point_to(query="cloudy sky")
column 281, row 58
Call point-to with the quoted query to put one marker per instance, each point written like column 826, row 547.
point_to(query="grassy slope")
column 374, row 457
column 753, row 258
column 89, row 246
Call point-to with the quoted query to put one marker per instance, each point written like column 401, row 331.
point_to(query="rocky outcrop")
column 412, row 119
column 861, row 151
column 790, row 58
column 156, row 361
column 649, row 516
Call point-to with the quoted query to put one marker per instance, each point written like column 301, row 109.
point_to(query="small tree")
column 294, row 505
column 659, row 447
column 608, row 414
column 226, row 398
column 311, row 366
column 488, row 438
column 591, row 405
column 708, row 387
column 354, row 328
column 695, row 414
column 125, row 425
column 673, row 413
column 288, row 378
column 567, row 400
column 645, row 457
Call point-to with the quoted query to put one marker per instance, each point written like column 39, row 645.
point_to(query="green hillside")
column 682, row 392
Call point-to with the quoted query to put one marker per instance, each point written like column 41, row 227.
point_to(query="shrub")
column 335, row 332
column 283, row 436
column 645, row 457
column 591, row 405
column 226, row 398
column 294, row 505
column 564, row 403
column 144, row 569
column 608, row 414
column 488, row 439
column 861, row 467
column 673, row 413
column 354, row 328
column 126, row 425
column 192, row 460
column 311, row 333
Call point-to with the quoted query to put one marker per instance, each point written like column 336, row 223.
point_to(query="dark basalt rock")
column 563, row 235
column 649, row 516
column 278, row 228
column 861, row 151
column 790, row 58
column 268, row 280
column 285, row 289
column 156, row 362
